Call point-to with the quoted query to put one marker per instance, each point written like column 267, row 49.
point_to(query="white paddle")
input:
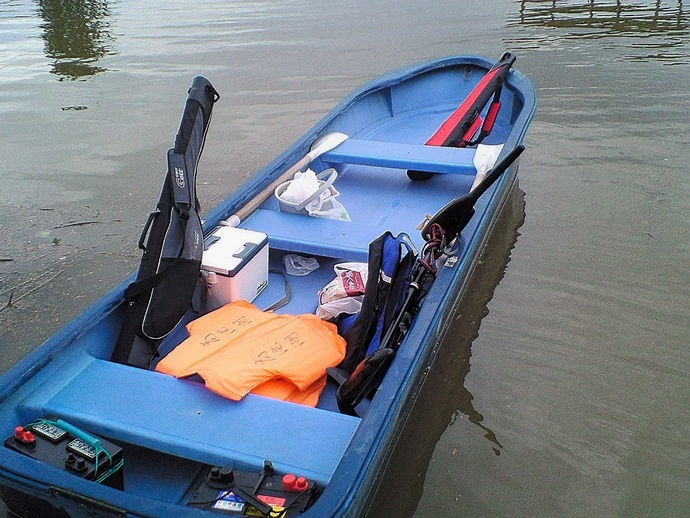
column 320, row 146
column 484, row 159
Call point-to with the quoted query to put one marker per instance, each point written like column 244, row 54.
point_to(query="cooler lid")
column 228, row 249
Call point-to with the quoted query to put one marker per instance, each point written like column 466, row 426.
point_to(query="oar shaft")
column 478, row 179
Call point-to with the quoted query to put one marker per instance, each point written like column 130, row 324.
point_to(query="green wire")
column 95, row 443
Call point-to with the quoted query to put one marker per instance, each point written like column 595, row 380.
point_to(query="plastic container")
column 326, row 179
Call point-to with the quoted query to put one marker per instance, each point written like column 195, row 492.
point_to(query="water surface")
column 565, row 383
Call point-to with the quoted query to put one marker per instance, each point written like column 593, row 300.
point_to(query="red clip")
column 491, row 117
column 476, row 124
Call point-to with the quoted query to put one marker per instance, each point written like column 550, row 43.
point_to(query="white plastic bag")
column 332, row 310
column 330, row 209
column 345, row 293
column 299, row 265
column 350, row 281
column 301, row 187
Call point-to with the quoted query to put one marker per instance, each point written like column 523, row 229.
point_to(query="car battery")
column 69, row 448
column 234, row 266
column 245, row 493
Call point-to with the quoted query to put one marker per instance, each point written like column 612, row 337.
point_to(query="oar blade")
column 484, row 159
column 326, row 143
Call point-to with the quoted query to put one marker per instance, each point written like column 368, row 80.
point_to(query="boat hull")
column 172, row 430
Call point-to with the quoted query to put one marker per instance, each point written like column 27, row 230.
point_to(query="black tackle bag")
column 172, row 241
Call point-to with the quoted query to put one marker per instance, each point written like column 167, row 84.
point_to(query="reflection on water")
column 76, row 35
column 646, row 31
column 443, row 398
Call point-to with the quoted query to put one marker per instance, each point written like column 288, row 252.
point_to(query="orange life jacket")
column 238, row 348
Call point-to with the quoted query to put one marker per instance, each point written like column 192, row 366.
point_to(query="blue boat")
column 426, row 153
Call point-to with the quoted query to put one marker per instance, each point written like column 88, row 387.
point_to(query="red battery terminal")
column 294, row 484
column 300, row 484
column 289, row 481
column 24, row 436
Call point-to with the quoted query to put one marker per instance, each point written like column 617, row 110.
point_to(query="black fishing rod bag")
column 172, row 241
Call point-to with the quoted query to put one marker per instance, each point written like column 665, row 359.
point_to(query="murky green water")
column 570, row 398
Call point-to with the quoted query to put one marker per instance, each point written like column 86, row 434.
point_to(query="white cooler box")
column 234, row 266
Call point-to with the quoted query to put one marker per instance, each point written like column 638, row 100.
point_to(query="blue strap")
column 394, row 249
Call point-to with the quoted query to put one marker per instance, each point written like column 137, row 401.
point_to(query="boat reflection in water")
column 443, row 396
column 76, row 35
